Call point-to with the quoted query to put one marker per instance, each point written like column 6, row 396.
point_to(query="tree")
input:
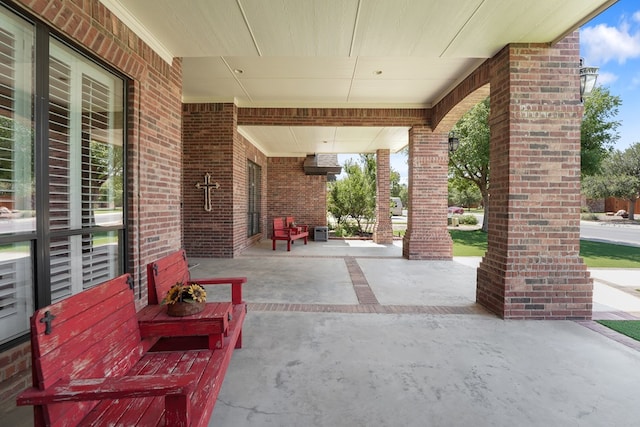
column 598, row 132
column 463, row 193
column 470, row 162
column 620, row 177
column 353, row 196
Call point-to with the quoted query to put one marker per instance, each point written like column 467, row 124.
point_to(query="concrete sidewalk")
column 349, row 333
column 421, row 353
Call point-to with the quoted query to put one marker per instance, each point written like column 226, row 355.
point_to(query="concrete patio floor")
column 348, row 333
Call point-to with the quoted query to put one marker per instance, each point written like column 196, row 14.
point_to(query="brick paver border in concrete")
column 368, row 303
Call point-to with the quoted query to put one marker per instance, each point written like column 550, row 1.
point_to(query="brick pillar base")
column 427, row 236
column 383, row 229
column 532, row 267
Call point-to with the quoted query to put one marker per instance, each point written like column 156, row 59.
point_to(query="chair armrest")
column 236, row 285
column 219, row 280
column 304, row 227
column 110, row 388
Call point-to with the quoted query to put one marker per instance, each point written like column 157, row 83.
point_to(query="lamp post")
column 453, row 142
column 588, row 77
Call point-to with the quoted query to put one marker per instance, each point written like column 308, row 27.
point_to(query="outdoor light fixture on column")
column 453, row 142
column 588, row 77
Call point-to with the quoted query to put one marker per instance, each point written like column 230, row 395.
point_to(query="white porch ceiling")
column 338, row 53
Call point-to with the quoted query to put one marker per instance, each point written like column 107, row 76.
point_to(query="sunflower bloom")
column 197, row 293
column 173, row 295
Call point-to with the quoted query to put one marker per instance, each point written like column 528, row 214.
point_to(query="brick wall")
column 15, row 374
column 532, row 268
column 208, row 138
column 427, row 236
column 213, row 145
column 292, row 193
column 154, row 151
column 383, row 230
column 334, row 116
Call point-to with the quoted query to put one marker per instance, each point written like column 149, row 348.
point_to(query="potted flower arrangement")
column 184, row 299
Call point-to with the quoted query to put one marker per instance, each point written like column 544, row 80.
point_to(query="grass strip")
column 630, row 328
column 608, row 255
column 595, row 254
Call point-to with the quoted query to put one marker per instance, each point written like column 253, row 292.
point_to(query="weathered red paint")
column 167, row 271
column 95, row 366
column 284, row 230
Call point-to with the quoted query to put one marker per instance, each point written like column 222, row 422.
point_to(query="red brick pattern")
column 15, row 373
column 212, row 144
column 427, row 236
column 292, row 193
column 532, row 268
column 360, row 284
column 334, row 116
column 471, row 91
column 383, row 229
column 208, row 147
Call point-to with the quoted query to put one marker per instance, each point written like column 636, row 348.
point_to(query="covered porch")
column 348, row 332
column 205, row 85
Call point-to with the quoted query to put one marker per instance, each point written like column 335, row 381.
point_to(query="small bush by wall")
column 468, row 220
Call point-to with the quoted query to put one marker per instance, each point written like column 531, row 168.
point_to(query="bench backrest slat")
column 93, row 334
column 279, row 227
column 164, row 273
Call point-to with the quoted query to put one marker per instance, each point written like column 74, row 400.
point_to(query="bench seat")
column 92, row 365
column 286, row 229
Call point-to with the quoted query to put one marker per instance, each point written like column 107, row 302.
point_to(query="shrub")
column 468, row 220
column 589, row 217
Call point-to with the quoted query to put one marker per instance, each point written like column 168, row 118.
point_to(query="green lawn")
column 630, row 328
column 595, row 254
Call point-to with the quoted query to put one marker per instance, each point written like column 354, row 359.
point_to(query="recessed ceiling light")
column 377, row 72
column 238, row 71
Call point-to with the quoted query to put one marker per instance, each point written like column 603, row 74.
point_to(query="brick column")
column 383, row 230
column 209, row 138
column 532, row 268
column 427, row 236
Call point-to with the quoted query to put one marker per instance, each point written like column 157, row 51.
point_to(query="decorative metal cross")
column 207, row 186
column 47, row 319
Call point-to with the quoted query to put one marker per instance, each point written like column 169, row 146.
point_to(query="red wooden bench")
column 93, row 366
column 166, row 272
column 289, row 231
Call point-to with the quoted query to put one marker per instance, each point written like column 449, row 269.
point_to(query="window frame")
column 40, row 238
column 254, row 198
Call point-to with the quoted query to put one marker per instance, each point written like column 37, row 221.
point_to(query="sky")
column 610, row 41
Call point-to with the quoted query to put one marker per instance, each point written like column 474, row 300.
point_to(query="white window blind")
column 16, row 175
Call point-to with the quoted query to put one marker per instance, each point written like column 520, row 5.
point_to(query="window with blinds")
column 254, row 185
column 85, row 171
column 16, row 176
column 79, row 186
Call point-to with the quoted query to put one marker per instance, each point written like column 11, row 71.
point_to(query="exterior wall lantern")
column 588, row 77
column 453, row 142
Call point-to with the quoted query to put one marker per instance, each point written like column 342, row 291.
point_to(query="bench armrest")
column 109, row 388
column 236, row 285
